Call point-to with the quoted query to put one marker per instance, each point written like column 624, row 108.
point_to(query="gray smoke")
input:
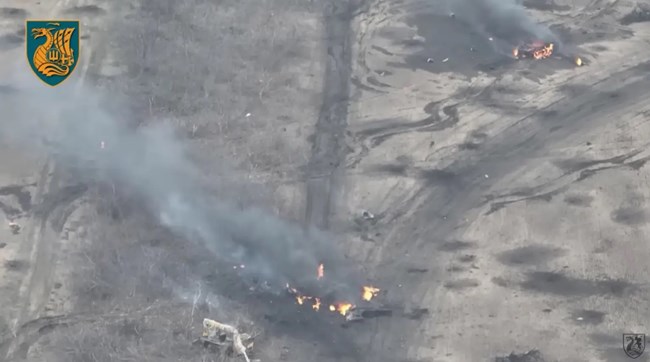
column 504, row 20
column 73, row 124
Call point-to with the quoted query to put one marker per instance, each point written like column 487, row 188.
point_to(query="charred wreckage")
column 233, row 342
column 537, row 50
column 349, row 310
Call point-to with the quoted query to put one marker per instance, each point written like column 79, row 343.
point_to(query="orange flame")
column 537, row 50
column 579, row 61
column 341, row 308
column 320, row 273
column 301, row 299
column 544, row 52
column 316, row 305
column 369, row 292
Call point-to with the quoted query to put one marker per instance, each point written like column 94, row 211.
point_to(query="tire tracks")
column 439, row 211
column 323, row 171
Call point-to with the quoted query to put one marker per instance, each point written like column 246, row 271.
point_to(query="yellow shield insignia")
column 52, row 48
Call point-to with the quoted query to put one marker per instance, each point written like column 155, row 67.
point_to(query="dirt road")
column 328, row 150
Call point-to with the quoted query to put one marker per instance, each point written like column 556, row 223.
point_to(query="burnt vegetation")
column 138, row 300
column 219, row 73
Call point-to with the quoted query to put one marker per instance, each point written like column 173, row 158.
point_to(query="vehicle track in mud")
column 426, row 223
column 328, row 149
column 439, row 210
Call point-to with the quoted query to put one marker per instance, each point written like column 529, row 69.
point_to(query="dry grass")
column 137, row 297
column 201, row 65
column 205, row 65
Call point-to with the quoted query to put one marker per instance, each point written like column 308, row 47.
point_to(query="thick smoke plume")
column 504, row 20
column 71, row 124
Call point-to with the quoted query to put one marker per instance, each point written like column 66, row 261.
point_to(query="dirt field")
column 505, row 199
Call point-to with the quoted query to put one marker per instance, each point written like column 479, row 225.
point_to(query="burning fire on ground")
column 578, row 61
column 369, row 292
column 343, row 308
column 538, row 50
column 535, row 50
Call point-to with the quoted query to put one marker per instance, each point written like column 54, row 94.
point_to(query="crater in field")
column 467, row 258
column 578, row 199
column 440, row 177
column 16, row 265
column 462, row 284
column 629, row 215
column 396, row 169
column 530, row 255
column 456, row 245
column 502, row 282
column 560, row 284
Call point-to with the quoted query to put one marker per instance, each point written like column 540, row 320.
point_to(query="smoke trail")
column 151, row 161
column 505, row 20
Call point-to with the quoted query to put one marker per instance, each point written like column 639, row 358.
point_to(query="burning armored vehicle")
column 537, row 50
column 534, row 50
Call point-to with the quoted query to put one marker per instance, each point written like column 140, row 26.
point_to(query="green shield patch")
column 52, row 49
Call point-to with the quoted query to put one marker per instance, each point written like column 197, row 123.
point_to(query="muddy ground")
column 509, row 196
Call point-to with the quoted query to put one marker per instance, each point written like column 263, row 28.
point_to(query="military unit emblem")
column 52, row 49
column 634, row 345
